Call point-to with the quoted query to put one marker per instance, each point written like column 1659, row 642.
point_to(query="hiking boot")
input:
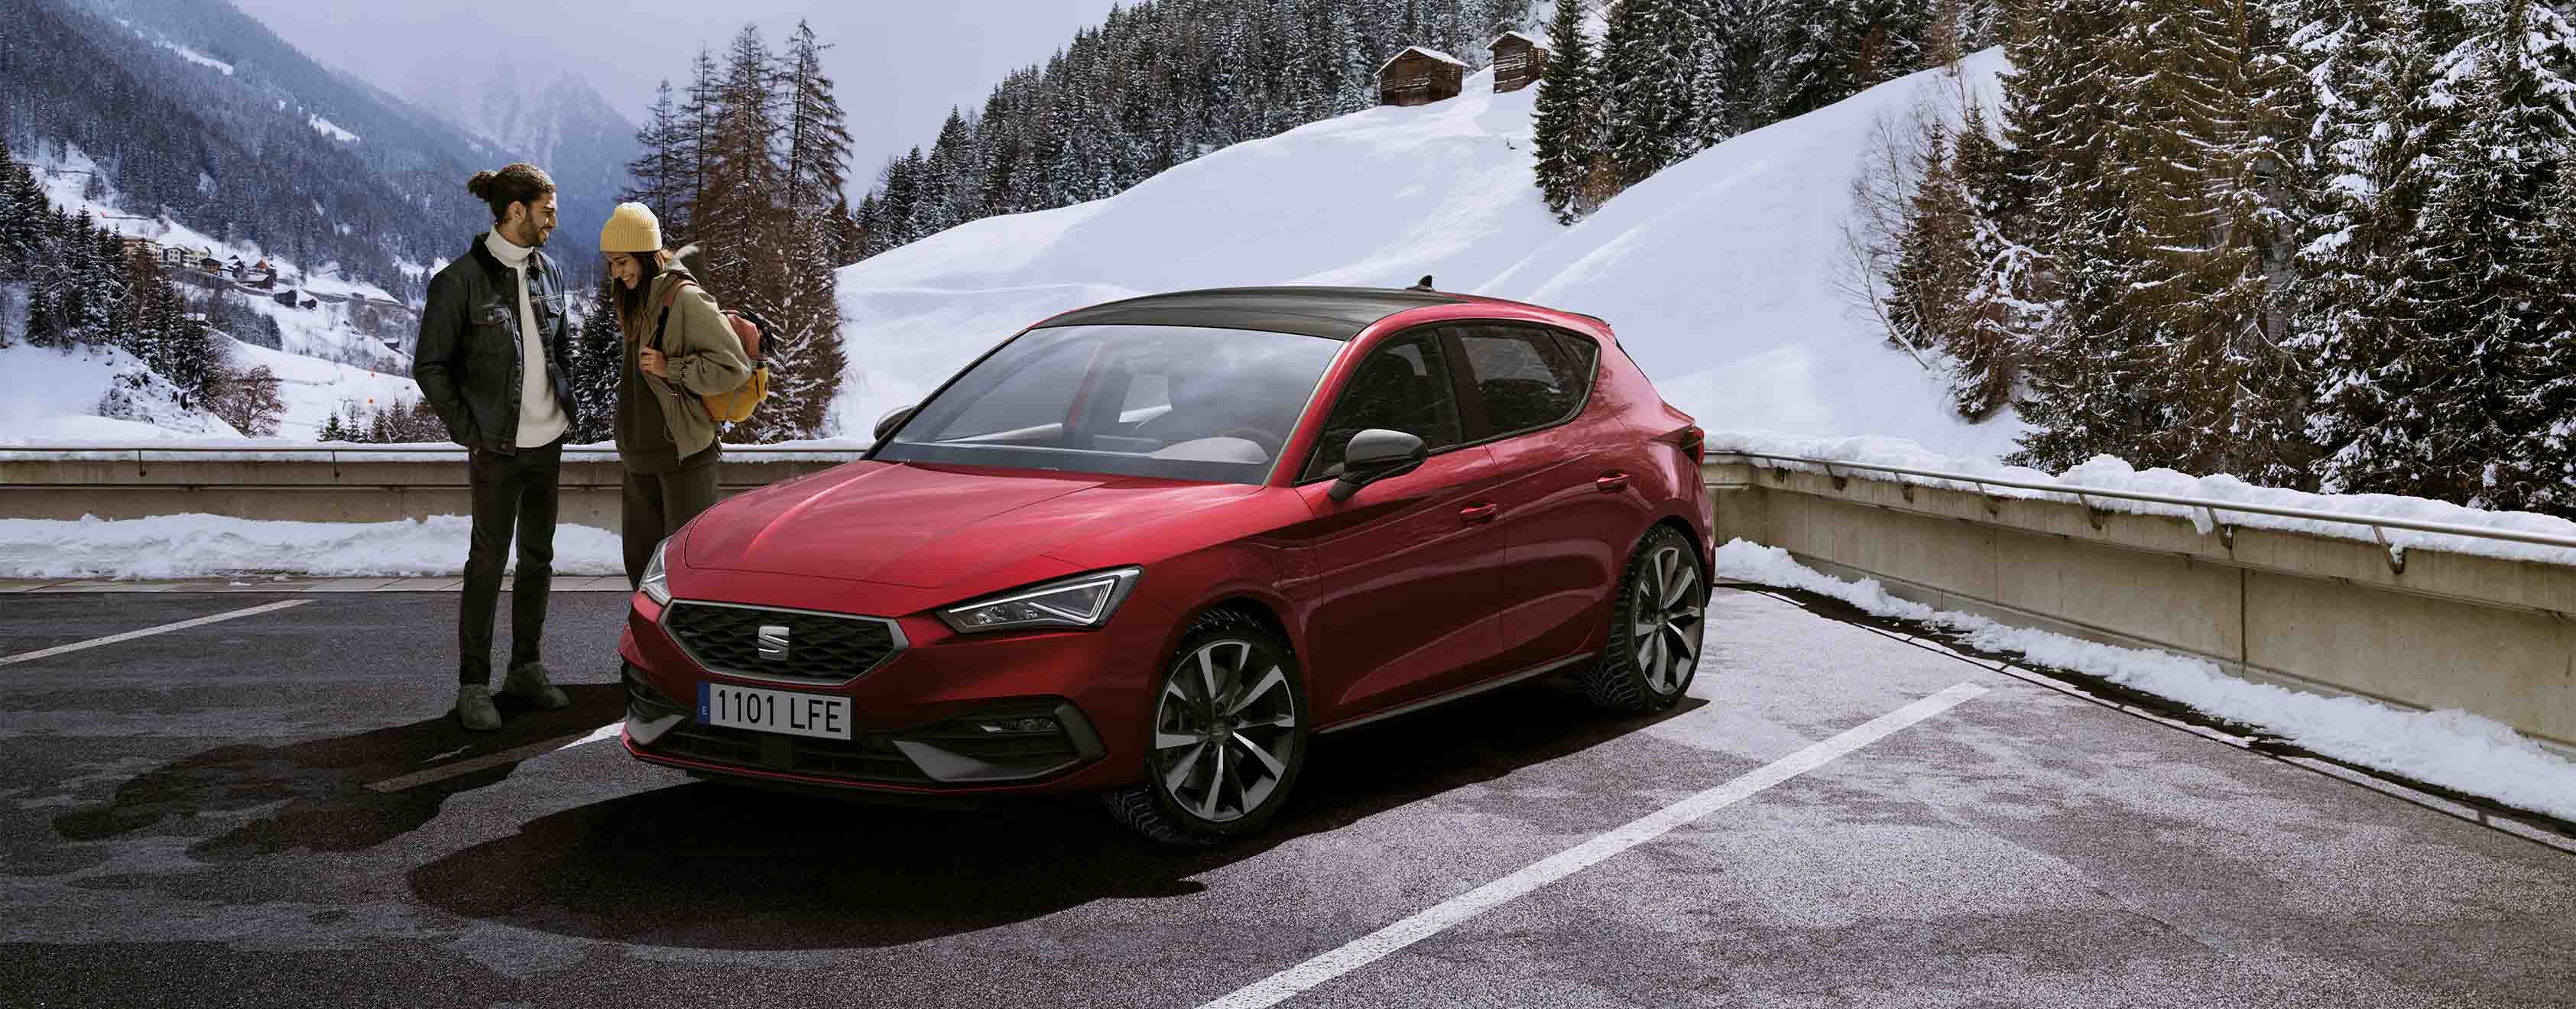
column 534, row 684
column 474, row 707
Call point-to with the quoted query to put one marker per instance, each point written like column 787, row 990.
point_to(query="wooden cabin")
column 1519, row 61
column 1419, row 76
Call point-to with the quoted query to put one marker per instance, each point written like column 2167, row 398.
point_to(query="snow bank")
column 56, row 394
column 207, row 546
column 2107, row 473
column 2452, row 748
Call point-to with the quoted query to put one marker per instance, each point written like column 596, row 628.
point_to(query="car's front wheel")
column 1655, row 628
column 1228, row 737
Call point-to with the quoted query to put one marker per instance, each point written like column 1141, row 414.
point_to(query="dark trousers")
column 511, row 492
column 658, row 504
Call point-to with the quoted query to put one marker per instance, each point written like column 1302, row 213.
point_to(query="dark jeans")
column 510, row 492
column 658, row 504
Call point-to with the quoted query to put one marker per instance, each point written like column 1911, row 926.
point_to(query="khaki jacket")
column 701, row 355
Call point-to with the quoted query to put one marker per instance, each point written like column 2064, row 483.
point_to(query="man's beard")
column 526, row 236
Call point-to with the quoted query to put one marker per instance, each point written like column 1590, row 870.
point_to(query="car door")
column 1568, row 504
column 1398, row 587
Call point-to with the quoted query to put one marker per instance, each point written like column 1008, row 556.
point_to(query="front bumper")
column 1071, row 709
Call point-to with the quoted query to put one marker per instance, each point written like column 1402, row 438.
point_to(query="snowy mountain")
column 201, row 116
column 1715, row 273
column 553, row 119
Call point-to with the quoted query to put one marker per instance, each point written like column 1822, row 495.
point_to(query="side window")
column 1583, row 354
column 1404, row 387
column 1524, row 377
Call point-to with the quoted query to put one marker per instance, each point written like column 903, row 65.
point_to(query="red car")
column 1152, row 548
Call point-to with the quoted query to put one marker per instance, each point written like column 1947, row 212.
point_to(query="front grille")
column 872, row 757
column 821, row 647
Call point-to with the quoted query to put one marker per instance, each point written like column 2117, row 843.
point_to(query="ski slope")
column 1715, row 273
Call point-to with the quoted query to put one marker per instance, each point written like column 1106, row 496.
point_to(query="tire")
column 1656, row 628
column 1211, row 778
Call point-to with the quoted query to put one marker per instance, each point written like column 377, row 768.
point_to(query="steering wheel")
column 1270, row 443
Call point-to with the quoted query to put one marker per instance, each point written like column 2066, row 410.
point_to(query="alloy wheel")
column 1225, row 730
column 1666, row 631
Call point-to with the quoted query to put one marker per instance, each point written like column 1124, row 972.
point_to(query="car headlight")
column 1080, row 603
column 657, row 582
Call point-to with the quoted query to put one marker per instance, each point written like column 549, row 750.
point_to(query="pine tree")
column 2363, row 180
column 657, row 169
column 818, row 149
column 1566, row 132
column 694, row 146
column 2082, row 393
column 2480, row 277
column 599, row 353
column 333, row 429
column 1807, row 61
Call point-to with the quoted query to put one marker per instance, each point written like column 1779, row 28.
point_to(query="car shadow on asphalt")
column 713, row 866
column 319, row 787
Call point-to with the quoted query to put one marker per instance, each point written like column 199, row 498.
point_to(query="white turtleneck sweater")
column 541, row 419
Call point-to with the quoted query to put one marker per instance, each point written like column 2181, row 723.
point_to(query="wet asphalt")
column 185, row 820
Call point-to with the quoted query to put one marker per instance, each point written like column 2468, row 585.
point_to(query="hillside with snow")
column 1715, row 274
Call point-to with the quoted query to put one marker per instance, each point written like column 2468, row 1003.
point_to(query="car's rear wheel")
column 1655, row 628
column 1228, row 735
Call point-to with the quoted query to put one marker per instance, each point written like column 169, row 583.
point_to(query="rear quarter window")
column 1525, row 377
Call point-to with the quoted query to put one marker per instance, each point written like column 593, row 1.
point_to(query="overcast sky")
column 899, row 64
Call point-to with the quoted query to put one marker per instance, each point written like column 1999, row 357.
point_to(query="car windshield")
column 1180, row 402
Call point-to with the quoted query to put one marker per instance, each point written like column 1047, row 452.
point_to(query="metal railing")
column 2210, row 507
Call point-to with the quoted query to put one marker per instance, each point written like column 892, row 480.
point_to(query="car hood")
column 929, row 526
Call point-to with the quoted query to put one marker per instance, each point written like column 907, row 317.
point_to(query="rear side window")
column 1524, row 376
column 1401, row 387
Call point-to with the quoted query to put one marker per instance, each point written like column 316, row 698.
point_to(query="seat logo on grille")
column 773, row 643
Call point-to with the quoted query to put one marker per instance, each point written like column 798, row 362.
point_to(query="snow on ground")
column 209, row 546
column 324, row 127
column 55, row 394
column 199, row 58
column 2452, row 748
column 1715, row 274
column 312, row 389
column 2107, row 473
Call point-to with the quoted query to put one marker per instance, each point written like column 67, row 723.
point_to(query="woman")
column 677, row 348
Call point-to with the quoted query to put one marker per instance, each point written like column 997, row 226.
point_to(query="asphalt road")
column 186, row 819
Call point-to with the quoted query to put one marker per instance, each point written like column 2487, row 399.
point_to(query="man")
column 493, row 362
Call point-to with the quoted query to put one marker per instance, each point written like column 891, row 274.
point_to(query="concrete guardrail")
column 2418, row 627
column 374, row 484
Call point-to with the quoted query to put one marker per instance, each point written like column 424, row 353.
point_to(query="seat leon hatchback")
column 1153, row 549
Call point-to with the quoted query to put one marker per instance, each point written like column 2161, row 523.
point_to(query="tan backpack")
column 735, row 406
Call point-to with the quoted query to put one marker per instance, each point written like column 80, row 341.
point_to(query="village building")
column 1419, row 76
column 1519, row 61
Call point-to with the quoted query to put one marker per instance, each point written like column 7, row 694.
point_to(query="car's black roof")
column 1337, row 313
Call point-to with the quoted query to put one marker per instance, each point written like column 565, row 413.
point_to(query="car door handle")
column 1611, row 483
column 1479, row 513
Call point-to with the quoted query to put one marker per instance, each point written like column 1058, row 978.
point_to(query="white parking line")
column 510, row 756
column 1360, row 952
column 148, row 632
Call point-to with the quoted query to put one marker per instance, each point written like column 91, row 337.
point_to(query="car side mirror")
column 893, row 419
column 1376, row 454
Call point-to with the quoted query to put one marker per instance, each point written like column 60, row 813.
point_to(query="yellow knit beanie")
column 631, row 228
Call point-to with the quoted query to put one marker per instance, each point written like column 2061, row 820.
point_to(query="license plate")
column 818, row 715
